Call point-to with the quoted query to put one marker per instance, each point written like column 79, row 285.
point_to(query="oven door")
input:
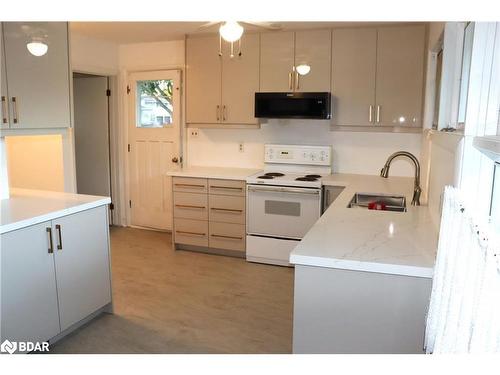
column 283, row 212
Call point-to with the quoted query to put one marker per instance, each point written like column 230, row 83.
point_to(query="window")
column 155, row 103
column 464, row 78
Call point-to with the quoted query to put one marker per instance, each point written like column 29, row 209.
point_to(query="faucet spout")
column 417, row 190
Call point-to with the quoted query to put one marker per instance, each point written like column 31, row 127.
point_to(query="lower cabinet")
column 212, row 218
column 54, row 274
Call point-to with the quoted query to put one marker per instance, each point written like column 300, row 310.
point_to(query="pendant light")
column 37, row 46
column 230, row 31
column 303, row 69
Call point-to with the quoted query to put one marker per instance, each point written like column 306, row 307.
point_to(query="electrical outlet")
column 241, row 147
column 194, row 132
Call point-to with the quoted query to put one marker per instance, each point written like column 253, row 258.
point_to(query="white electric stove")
column 284, row 200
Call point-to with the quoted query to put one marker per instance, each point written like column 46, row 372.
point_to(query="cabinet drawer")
column 226, row 187
column 190, row 205
column 227, row 236
column 190, row 185
column 191, row 232
column 227, row 209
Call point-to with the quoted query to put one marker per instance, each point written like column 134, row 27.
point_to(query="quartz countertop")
column 400, row 243
column 214, row 172
column 29, row 207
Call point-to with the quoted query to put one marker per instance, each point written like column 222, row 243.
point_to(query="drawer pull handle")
column 59, row 237
column 190, row 185
column 190, row 206
column 51, row 244
column 190, row 233
column 227, row 237
column 226, row 187
column 226, row 210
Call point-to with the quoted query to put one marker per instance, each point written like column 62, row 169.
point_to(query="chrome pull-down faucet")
column 384, row 172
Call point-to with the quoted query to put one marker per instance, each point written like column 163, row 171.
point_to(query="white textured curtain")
column 464, row 311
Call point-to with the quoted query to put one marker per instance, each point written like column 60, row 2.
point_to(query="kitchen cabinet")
column 28, row 282
column 282, row 52
column 4, row 110
column 209, row 215
column 378, row 76
column 54, row 275
column 38, row 87
column 220, row 89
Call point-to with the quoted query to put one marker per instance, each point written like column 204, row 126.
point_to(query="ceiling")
column 143, row 32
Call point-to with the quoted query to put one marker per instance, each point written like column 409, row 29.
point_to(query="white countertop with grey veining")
column 29, row 207
column 400, row 243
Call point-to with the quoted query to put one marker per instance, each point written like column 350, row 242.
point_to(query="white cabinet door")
column 82, row 264
column 39, row 93
column 400, row 75
column 28, row 285
column 313, row 48
column 354, row 56
column 203, row 80
column 276, row 62
column 240, row 82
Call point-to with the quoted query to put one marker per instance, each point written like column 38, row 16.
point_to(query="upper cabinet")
column 35, row 89
column 378, row 76
column 282, row 52
column 221, row 89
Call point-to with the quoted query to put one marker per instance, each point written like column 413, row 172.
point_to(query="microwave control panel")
column 296, row 154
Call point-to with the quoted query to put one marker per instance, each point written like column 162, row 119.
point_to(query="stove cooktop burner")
column 274, row 174
column 265, row 177
column 313, row 175
column 306, row 179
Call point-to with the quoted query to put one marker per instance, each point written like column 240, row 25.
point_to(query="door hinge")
column 108, row 92
column 130, row 204
column 128, row 89
column 128, row 147
column 111, row 206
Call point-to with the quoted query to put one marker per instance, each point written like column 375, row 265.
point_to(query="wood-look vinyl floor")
column 168, row 301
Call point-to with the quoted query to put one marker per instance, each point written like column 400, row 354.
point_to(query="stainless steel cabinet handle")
column 59, row 237
column 226, row 210
column 370, row 114
column 224, row 113
column 5, row 110
column 378, row 114
column 297, row 80
column 226, row 187
column 14, row 109
column 51, row 244
column 290, row 78
column 227, row 237
column 190, row 206
column 190, row 233
column 217, row 112
column 284, row 190
column 190, row 185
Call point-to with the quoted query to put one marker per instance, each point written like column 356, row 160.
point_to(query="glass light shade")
column 303, row 69
column 231, row 31
column 37, row 48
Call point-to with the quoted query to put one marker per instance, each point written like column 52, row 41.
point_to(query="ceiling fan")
column 231, row 31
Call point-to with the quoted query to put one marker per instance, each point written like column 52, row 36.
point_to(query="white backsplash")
column 353, row 152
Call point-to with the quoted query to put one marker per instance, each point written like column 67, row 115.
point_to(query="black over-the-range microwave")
column 293, row 105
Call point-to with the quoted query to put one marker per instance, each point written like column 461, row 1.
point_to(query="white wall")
column 89, row 55
column 353, row 152
column 151, row 56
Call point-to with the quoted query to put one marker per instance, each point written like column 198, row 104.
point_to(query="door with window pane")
column 154, row 134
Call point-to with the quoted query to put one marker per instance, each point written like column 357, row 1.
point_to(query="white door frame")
column 123, row 136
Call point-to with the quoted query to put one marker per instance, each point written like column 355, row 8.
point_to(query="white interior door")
column 154, row 138
column 91, row 135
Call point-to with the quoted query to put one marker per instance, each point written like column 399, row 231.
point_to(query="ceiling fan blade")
column 263, row 25
column 208, row 25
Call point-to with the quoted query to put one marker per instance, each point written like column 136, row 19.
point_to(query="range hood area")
column 293, row 105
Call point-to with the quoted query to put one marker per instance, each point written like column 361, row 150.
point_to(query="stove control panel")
column 296, row 154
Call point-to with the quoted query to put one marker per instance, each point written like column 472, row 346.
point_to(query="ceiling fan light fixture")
column 303, row 69
column 37, row 47
column 231, row 31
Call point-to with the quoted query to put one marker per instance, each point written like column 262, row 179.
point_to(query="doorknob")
column 175, row 159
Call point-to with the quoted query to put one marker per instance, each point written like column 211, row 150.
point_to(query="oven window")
column 282, row 208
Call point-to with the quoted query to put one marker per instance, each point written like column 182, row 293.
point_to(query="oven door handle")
column 279, row 189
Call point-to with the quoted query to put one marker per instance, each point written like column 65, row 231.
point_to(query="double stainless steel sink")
column 383, row 202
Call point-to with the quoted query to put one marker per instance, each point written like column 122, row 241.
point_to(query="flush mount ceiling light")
column 37, row 47
column 303, row 69
column 231, row 31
